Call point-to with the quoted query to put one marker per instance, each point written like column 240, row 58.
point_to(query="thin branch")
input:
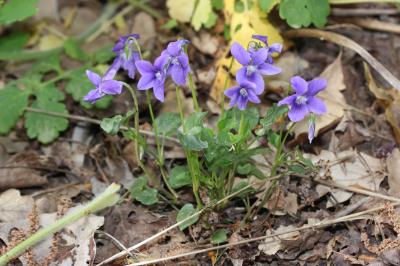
column 348, row 43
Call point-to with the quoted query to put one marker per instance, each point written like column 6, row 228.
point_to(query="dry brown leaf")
column 274, row 244
column 144, row 25
column 206, row 43
column 333, row 98
column 359, row 170
column 393, row 168
column 388, row 99
column 181, row 10
column 13, row 206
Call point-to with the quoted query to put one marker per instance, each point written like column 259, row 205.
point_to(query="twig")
column 93, row 121
column 346, row 2
column 153, row 237
column 358, row 190
column 374, row 24
column 342, row 12
column 321, row 224
column 346, row 42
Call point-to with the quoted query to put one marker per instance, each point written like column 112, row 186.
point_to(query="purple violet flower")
column 254, row 64
column 177, row 61
column 304, row 101
column 153, row 76
column 127, row 54
column 274, row 48
column 103, row 86
column 246, row 91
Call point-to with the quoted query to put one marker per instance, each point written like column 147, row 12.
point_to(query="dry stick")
column 348, row 43
column 358, row 190
column 93, row 121
column 346, row 12
column 346, row 218
column 374, row 24
column 147, row 240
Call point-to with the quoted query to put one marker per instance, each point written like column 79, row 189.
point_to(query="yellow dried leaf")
column 201, row 14
column 181, row 10
column 333, row 98
column 242, row 26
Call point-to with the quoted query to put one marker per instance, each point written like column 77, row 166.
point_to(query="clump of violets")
column 173, row 62
column 304, row 101
column 256, row 62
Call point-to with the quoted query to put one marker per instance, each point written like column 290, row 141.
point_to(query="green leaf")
column 13, row 42
column 300, row 13
column 231, row 119
column 192, row 142
column 147, row 196
column 168, row 123
column 179, row 177
column 172, row 23
column 241, row 185
column 72, row 49
column 219, row 236
column 265, row 5
column 273, row 113
column 212, row 20
column 194, row 120
column 17, row 10
column 186, row 211
column 79, row 85
column 102, row 55
column 51, row 63
column 49, row 93
column 297, row 169
column 138, row 186
column 12, row 104
column 44, row 127
column 218, row 4
column 111, row 125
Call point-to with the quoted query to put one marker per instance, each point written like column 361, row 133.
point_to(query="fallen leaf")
column 202, row 14
column 206, row 43
column 181, row 10
column 393, row 168
column 143, row 24
column 49, row 42
column 333, row 98
column 13, row 206
column 272, row 245
column 389, row 100
column 348, row 168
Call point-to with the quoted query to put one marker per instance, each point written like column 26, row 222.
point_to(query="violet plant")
column 214, row 157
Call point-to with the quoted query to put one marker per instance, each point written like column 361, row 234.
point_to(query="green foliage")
column 179, row 177
column 142, row 193
column 168, row 123
column 72, row 49
column 266, row 5
column 301, row 13
column 13, row 41
column 113, row 124
column 186, row 211
column 172, row 23
column 17, row 10
column 44, row 127
column 219, row 236
column 102, row 55
column 12, row 104
column 273, row 113
column 48, row 64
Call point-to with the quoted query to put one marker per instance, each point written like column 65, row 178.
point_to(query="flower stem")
column 108, row 198
column 194, row 94
column 192, row 159
column 160, row 155
column 138, row 136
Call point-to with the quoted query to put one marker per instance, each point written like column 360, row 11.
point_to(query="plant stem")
column 160, row 155
column 194, row 94
column 108, row 198
column 137, row 146
column 275, row 166
column 192, row 159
